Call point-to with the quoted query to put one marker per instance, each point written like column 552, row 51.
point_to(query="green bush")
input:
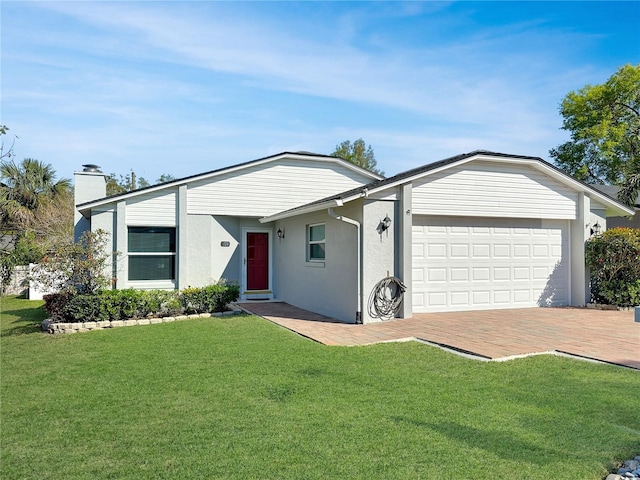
column 212, row 298
column 84, row 308
column 122, row 304
column 614, row 260
column 130, row 303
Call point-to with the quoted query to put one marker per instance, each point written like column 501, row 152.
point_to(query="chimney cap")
column 90, row 167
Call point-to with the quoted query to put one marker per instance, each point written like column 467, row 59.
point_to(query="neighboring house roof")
column 612, row 191
column 409, row 175
column 213, row 173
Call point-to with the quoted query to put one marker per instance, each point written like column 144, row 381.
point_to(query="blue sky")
column 187, row 87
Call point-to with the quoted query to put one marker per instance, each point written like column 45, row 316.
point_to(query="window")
column 315, row 236
column 152, row 253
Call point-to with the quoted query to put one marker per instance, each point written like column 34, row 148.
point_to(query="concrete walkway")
column 608, row 336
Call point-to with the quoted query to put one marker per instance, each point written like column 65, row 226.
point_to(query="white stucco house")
column 481, row 230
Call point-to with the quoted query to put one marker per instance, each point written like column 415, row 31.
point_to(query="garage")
column 467, row 263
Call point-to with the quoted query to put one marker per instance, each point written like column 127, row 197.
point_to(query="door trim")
column 246, row 294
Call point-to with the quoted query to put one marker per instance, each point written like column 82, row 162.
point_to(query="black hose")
column 386, row 298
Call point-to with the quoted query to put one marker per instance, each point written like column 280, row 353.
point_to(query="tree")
column 36, row 212
column 8, row 153
column 165, row 177
column 123, row 184
column 26, row 187
column 359, row 154
column 604, row 121
column 76, row 268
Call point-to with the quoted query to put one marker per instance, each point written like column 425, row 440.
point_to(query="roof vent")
column 90, row 167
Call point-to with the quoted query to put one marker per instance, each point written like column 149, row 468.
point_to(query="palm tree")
column 630, row 190
column 24, row 188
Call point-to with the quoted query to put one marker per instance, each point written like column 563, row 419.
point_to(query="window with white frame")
column 315, row 242
column 152, row 253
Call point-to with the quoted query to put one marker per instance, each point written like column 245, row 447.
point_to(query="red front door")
column 257, row 261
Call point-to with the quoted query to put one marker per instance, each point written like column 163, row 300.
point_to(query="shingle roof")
column 612, row 191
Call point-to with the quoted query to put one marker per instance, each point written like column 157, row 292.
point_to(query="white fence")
column 19, row 284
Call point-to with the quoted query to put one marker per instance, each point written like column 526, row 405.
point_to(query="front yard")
column 240, row 398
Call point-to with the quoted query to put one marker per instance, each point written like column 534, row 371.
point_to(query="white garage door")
column 485, row 263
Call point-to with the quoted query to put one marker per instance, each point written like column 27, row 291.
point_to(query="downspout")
column 358, row 256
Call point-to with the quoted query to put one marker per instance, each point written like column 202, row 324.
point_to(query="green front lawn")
column 241, row 398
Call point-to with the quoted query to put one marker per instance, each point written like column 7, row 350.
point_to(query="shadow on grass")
column 25, row 320
column 499, row 443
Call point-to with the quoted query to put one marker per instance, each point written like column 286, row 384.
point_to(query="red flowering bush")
column 614, row 260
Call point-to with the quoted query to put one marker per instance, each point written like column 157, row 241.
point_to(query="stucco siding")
column 263, row 190
column 493, row 189
column 379, row 252
column 213, row 250
column 105, row 221
column 329, row 287
column 152, row 209
column 198, row 252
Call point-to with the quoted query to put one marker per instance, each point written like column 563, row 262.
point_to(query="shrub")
column 162, row 303
column 122, row 304
column 130, row 303
column 614, row 260
column 212, row 298
column 84, row 308
column 55, row 304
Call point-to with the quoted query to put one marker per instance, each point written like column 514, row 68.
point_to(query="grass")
column 240, row 398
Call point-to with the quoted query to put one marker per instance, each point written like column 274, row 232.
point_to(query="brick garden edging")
column 75, row 327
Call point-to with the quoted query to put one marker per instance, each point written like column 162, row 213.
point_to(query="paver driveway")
column 609, row 336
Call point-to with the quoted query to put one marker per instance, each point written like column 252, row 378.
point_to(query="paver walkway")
column 609, row 336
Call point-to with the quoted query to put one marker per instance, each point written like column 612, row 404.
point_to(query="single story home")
column 481, row 230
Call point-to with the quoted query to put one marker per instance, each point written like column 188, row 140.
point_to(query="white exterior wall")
column 485, row 189
column 263, row 190
column 329, row 287
column 206, row 257
column 379, row 252
column 405, row 244
column 580, row 231
column 598, row 214
column 152, row 209
column 105, row 220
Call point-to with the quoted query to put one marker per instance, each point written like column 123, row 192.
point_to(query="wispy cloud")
column 154, row 80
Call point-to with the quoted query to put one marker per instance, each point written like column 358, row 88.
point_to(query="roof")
column 409, row 175
column 219, row 171
column 612, row 191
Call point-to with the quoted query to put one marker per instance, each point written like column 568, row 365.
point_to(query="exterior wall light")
column 385, row 223
column 280, row 233
column 595, row 230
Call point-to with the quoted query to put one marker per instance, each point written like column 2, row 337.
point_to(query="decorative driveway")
column 604, row 335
